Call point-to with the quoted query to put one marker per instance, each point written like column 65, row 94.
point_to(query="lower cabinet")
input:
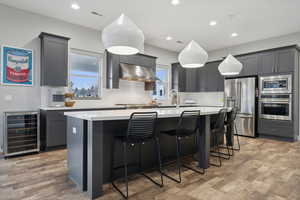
column 277, row 128
column 53, row 128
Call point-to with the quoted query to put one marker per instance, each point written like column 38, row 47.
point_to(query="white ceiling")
column 252, row 19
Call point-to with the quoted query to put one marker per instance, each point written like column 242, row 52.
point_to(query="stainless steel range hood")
column 136, row 73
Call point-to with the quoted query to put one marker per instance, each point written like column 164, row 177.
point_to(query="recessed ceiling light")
column 175, row 2
column 212, row 23
column 234, row 34
column 169, row 38
column 75, row 6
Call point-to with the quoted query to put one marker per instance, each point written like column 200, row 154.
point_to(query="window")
column 162, row 85
column 85, row 74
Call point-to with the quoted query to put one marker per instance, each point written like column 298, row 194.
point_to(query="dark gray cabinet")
column 191, row 80
column 250, row 64
column 277, row 61
column 53, row 129
column 56, row 129
column 267, row 63
column 113, row 67
column 286, row 60
column 214, row 81
column 178, row 77
column 112, row 70
column 54, row 60
column 276, row 128
column 204, row 79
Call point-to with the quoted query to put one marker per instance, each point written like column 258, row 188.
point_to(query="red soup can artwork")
column 18, row 66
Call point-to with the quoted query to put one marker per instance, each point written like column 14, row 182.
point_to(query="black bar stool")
column 231, row 120
column 141, row 128
column 217, row 132
column 187, row 126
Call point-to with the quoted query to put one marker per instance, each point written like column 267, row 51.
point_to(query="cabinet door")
column 54, row 62
column 191, row 80
column 250, row 65
column 267, row 63
column 286, row 60
column 219, row 77
column 275, row 128
column 181, row 79
column 112, row 70
column 212, row 77
column 56, row 129
column 201, row 75
column 175, row 75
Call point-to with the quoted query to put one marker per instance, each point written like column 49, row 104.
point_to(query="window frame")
column 167, row 82
column 100, row 76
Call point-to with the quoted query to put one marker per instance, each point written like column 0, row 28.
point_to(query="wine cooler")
column 21, row 134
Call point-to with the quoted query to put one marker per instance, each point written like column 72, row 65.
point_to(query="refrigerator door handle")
column 239, row 84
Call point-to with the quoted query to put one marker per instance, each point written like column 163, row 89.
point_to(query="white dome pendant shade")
column 193, row 56
column 230, row 66
column 123, row 37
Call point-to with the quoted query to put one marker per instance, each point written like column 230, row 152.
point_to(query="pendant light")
column 123, row 37
column 192, row 56
column 230, row 66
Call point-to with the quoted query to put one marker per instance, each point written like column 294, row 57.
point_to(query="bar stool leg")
column 216, row 146
column 237, row 137
column 125, row 172
column 159, row 160
column 178, row 163
column 178, row 157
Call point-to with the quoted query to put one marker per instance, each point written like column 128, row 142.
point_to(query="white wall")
column 269, row 43
column 21, row 29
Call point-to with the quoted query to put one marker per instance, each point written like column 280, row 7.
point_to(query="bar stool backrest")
column 219, row 125
column 188, row 122
column 232, row 115
column 141, row 126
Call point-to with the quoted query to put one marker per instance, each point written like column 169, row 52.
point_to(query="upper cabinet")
column 204, row 79
column 250, row 64
column 178, row 77
column 278, row 61
column 54, row 60
column 267, row 63
column 286, row 60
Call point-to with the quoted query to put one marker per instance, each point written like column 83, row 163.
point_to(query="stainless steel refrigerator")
column 241, row 93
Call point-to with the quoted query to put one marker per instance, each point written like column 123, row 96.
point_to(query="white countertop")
column 125, row 114
column 80, row 107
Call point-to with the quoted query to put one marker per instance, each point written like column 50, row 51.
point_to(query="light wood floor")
column 263, row 169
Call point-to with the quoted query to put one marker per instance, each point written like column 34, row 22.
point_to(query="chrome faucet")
column 175, row 97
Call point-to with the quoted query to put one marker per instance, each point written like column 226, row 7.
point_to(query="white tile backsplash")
column 203, row 98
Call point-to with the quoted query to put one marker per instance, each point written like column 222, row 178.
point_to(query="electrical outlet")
column 74, row 130
column 8, row 97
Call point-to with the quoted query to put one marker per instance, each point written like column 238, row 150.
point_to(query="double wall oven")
column 275, row 100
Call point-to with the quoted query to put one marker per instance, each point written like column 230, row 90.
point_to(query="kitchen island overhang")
column 90, row 136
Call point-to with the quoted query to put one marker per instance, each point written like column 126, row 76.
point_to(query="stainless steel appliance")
column 56, row 97
column 241, row 93
column 275, row 84
column 22, row 133
column 275, row 106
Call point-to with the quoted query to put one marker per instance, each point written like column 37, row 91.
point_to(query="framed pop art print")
column 17, row 66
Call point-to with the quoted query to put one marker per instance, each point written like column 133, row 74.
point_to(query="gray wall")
column 21, row 29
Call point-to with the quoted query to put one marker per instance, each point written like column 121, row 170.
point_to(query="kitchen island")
column 90, row 136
